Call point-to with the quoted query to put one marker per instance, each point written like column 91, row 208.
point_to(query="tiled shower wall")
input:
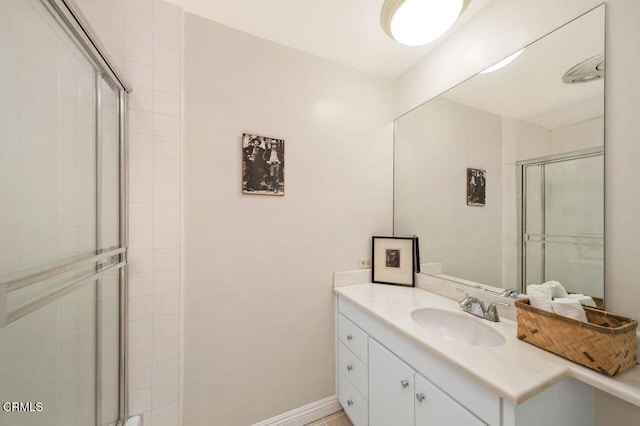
column 144, row 39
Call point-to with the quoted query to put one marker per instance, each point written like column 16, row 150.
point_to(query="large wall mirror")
column 502, row 177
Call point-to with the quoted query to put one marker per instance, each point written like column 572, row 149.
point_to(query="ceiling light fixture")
column 506, row 61
column 417, row 22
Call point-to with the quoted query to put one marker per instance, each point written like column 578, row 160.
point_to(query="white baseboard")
column 306, row 414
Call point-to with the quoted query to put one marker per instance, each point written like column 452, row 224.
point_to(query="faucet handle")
column 492, row 312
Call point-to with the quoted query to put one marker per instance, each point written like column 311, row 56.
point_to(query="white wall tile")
column 140, row 307
column 166, row 282
column 140, row 214
column 166, row 103
column 166, row 304
column 166, row 214
column 165, row 395
column 140, row 331
column 166, row 170
column 138, row 51
column 140, row 354
column 141, row 8
column 147, row 420
column 166, row 148
column 141, row 284
column 166, row 259
column 140, row 168
column 166, row 327
column 140, row 191
column 167, row 416
column 139, row 75
column 166, row 192
column 141, row 121
column 140, row 378
column 138, row 27
column 140, row 261
column 141, row 145
column 166, row 81
column 166, row 236
column 166, row 350
column 140, row 237
column 165, row 372
column 139, row 402
column 166, row 58
column 166, row 35
column 166, row 125
column 166, row 13
column 141, row 98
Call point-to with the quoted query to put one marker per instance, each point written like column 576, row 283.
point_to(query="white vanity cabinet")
column 378, row 387
column 386, row 378
column 399, row 396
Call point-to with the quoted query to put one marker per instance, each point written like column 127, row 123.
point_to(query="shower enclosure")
column 62, row 220
column 562, row 221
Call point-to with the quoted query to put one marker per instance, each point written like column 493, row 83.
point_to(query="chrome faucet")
column 471, row 304
column 476, row 307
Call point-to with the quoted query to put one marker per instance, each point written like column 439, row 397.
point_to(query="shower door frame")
column 521, row 200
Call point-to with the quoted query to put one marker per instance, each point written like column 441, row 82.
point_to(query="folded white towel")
column 568, row 307
column 585, row 300
column 557, row 289
column 539, row 297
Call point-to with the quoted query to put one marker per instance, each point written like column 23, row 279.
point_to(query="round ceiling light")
column 417, row 22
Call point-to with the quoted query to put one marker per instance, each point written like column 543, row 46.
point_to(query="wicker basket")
column 607, row 343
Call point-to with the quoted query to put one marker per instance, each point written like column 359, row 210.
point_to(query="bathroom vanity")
column 391, row 370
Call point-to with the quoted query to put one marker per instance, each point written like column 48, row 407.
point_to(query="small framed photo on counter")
column 392, row 260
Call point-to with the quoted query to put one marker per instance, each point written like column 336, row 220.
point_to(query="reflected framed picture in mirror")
column 476, row 187
column 392, row 260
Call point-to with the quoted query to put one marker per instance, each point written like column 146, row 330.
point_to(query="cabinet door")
column 435, row 408
column 391, row 388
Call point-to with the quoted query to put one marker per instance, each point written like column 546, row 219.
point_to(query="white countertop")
column 515, row 371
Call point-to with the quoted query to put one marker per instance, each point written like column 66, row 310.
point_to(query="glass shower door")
column 62, row 245
column 563, row 223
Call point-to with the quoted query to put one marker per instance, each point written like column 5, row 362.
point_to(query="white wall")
column 259, row 324
column 435, row 144
column 144, row 39
column 502, row 28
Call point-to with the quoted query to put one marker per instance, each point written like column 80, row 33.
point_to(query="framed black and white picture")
column 476, row 187
column 262, row 165
column 392, row 260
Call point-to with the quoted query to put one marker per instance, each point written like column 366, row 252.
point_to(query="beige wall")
column 505, row 26
column 258, row 310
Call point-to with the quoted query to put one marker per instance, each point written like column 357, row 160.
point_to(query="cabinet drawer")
column 354, row 369
column 353, row 403
column 353, row 337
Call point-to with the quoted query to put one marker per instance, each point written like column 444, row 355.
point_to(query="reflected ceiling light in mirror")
column 503, row 63
column 418, row 22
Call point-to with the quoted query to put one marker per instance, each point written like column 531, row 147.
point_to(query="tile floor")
column 335, row 419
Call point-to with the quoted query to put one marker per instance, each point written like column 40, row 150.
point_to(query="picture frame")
column 476, row 187
column 262, row 165
column 393, row 260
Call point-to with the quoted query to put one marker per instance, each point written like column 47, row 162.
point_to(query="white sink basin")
column 457, row 327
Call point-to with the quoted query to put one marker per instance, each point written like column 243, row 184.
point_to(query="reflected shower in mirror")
column 501, row 177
